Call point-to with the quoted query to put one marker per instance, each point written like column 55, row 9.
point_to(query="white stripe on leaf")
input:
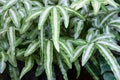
column 44, row 16
column 111, row 60
column 55, row 21
column 15, row 17
column 28, row 66
column 48, row 59
column 77, row 52
column 87, row 53
column 11, row 38
column 65, row 16
column 96, row 6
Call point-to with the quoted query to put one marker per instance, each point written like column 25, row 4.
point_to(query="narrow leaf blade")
column 55, row 19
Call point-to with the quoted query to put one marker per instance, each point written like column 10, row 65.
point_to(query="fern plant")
column 62, row 33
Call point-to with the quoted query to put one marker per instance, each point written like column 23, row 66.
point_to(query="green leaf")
column 77, row 52
column 79, row 4
column 107, row 17
column 55, row 21
column 2, row 62
column 62, row 68
column 78, row 29
column 14, row 73
column 18, row 41
column 65, row 16
column 75, row 12
column 12, row 60
column 66, row 59
column 22, row 12
column 3, row 31
column 48, row 59
column 42, row 39
column 2, row 66
column 32, row 48
column 65, row 48
column 111, row 60
column 3, row 2
column 25, row 27
column 27, row 5
column 20, row 53
column 33, row 34
column 110, row 45
column 78, row 68
column 6, row 23
column 101, row 37
column 96, row 6
column 77, row 41
column 39, row 70
column 116, row 25
column 88, row 51
column 44, row 16
column 70, row 46
column 90, row 69
column 115, row 21
column 33, row 14
column 108, row 76
column 9, row 4
column 11, row 38
column 29, row 62
column 113, row 3
column 15, row 17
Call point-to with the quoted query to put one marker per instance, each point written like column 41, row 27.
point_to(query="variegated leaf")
column 14, row 73
column 22, row 13
column 27, row 5
column 96, row 6
column 44, row 16
column 107, row 17
column 77, row 52
column 15, row 17
column 70, row 46
column 116, row 25
column 2, row 66
column 66, row 59
column 78, row 68
column 55, row 21
column 75, row 13
column 110, row 45
column 7, row 21
column 79, row 4
column 33, row 14
column 25, row 27
column 101, row 37
column 77, row 41
column 3, row 31
column 48, row 59
column 115, row 67
column 11, row 38
column 113, row 3
column 65, row 16
column 90, row 70
column 65, row 48
column 31, row 48
column 12, row 59
column 62, row 68
column 39, row 70
column 9, row 4
column 2, row 62
column 28, row 66
column 41, row 39
column 88, row 51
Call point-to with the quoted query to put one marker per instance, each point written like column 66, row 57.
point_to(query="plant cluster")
column 62, row 33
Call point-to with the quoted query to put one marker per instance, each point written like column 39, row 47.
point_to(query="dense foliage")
column 62, row 33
